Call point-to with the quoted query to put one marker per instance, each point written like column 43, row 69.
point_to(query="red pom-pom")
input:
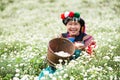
column 62, row 16
column 93, row 43
column 89, row 50
column 71, row 14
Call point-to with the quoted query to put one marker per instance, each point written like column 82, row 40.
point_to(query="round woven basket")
column 56, row 45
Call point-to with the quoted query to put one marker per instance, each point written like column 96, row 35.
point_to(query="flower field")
column 26, row 26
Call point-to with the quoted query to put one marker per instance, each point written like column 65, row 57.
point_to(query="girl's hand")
column 79, row 45
column 90, row 49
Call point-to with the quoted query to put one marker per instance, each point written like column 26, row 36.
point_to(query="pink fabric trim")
column 87, row 39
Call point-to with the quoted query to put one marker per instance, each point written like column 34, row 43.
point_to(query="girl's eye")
column 70, row 24
column 76, row 24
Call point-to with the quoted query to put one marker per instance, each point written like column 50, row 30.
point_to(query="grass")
column 26, row 26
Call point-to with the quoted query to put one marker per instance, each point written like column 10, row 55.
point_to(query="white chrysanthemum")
column 43, row 57
column 106, row 57
column 16, row 78
column 59, row 66
column 25, row 77
column 46, row 72
column 50, row 75
column 60, row 60
column 72, row 78
column 43, row 78
column 60, row 77
column 62, row 71
column 17, row 75
column 116, row 59
column 92, row 76
column 111, row 77
column 9, row 65
column 17, row 70
column 85, row 79
column 54, row 78
column 109, row 68
column 2, row 68
column 21, row 64
column 16, row 65
column 65, row 76
column 36, row 78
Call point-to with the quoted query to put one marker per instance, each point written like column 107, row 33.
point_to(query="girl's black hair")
column 66, row 20
column 82, row 22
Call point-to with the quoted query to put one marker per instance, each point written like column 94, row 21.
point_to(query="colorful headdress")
column 70, row 15
column 74, row 16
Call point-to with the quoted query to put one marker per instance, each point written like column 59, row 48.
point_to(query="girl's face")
column 73, row 27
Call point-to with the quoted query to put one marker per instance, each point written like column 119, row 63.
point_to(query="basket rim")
column 61, row 50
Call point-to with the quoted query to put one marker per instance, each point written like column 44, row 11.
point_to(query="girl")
column 75, row 26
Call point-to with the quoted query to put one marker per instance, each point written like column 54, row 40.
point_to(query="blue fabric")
column 50, row 69
column 72, row 39
column 76, row 54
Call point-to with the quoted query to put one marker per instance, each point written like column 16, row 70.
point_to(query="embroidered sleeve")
column 88, row 40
